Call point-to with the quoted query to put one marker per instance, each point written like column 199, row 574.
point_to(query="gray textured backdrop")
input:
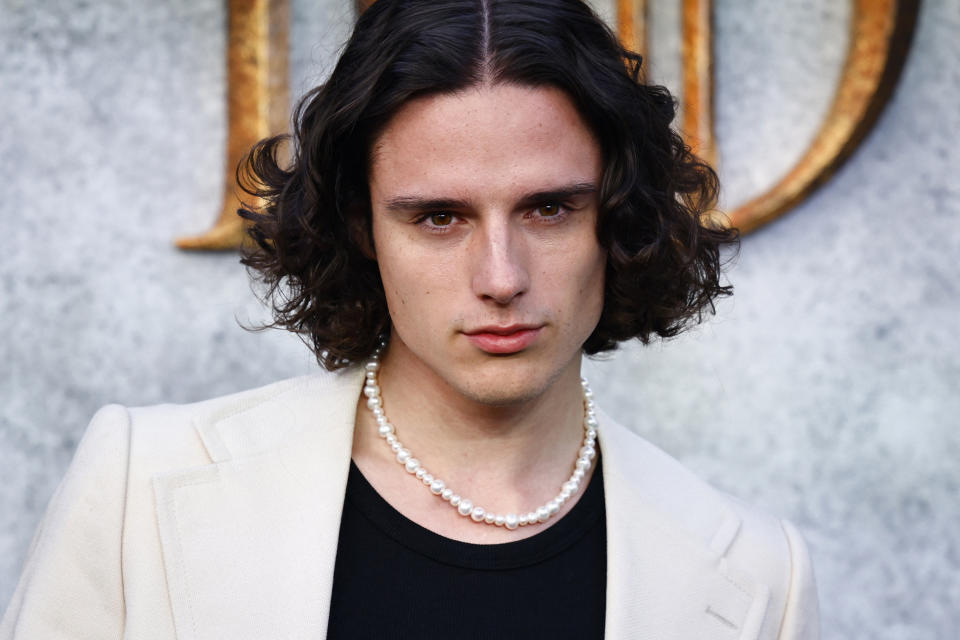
column 826, row 390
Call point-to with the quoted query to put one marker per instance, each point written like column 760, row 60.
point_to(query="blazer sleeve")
column 801, row 615
column 72, row 584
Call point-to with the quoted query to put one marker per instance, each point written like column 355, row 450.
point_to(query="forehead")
column 489, row 139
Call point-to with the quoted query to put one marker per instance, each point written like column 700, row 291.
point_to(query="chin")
column 504, row 383
column 500, row 396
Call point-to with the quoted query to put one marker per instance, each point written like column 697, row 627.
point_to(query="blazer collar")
column 250, row 541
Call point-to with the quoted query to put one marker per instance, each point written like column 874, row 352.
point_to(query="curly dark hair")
column 312, row 235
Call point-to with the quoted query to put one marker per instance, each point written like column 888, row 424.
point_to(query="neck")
column 516, row 441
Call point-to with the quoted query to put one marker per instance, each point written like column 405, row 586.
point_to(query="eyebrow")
column 418, row 203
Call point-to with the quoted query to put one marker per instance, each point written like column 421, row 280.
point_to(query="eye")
column 437, row 222
column 548, row 210
column 441, row 219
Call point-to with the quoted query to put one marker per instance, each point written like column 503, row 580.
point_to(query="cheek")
column 399, row 282
column 591, row 287
column 415, row 283
column 577, row 271
column 399, row 271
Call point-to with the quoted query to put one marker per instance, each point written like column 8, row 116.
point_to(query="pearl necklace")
column 465, row 506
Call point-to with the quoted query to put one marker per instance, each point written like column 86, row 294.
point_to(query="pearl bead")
column 377, row 412
column 455, row 500
column 420, row 473
column 583, row 463
column 592, row 433
column 372, row 375
column 499, row 520
column 427, row 478
column 572, row 486
column 523, row 520
column 477, row 514
column 396, row 446
column 588, row 452
column 446, row 494
column 403, row 455
column 465, row 507
column 591, row 422
column 553, row 507
column 412, row 464
column 372, row 365
column 511, row 521
column 385, row 429
column 565, row 494
column 578, row 475
column 531, row 517
column 437, row 487
column 373, row 403
column 371, row 390
column 543, row 513
column 489, row 518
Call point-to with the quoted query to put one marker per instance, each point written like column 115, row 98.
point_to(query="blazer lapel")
column 666, row 538
column 249, row 542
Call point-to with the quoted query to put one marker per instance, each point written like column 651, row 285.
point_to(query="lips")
column 503, row 339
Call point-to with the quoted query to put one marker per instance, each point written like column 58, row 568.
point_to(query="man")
column 480, row 194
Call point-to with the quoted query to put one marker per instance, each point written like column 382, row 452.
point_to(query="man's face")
column 484, row 226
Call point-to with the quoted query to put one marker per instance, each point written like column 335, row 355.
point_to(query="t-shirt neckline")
column 575, row 524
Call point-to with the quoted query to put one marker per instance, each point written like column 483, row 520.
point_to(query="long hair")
column 312, row 236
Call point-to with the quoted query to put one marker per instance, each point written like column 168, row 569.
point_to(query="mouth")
column 503, row 340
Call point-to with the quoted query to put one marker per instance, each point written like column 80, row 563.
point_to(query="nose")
column 499, row 262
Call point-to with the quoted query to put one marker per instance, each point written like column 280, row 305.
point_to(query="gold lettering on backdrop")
column 881, row 31
column 632, row 25
column 697, row 115
column 881, row 34
column 258, row 103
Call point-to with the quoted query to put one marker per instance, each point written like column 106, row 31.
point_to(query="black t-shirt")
column 396, row 579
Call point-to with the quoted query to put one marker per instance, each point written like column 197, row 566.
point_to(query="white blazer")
column 220, row 520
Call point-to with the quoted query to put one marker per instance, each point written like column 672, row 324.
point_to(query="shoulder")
column 751, row 545
column 173, row 416
column 671, row 488
column 170, row 436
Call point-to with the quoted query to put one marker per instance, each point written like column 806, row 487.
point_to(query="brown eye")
column 440, row 219
column 548, row 210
